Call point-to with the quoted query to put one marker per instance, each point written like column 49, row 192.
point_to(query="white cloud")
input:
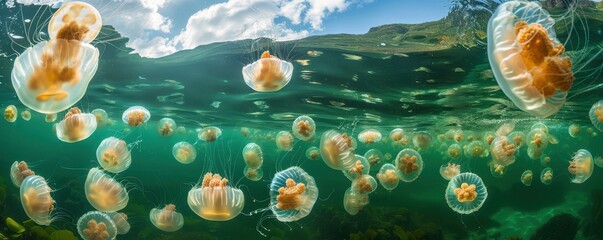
column 319, row 9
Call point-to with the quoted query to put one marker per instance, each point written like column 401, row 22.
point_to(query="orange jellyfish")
column 503, row 151
column 253, row 174
column 209, row 134
column 10, row 113
column 53, row 75
column 458, row 136
column 214, row 200
column 19, row 171
column 253, row 156
column 476, row 149
column 135, row 116
column 121, row 222
column 518, row 139
column 167, row 219
column 181, row 130
column 76, row 126
column 546, row 176
column 374, row 156
column 489, row 137
column 596, row 115
column 409, row 165
column 545, row 160
column 36, row 200
column 396, row 134
column 574, row 130
column 353, row 202
column 102, row 118
column 360, row 167
column 304, row 128
column 166, row 127
column 95, row 225
column 387, row 176
column 336, row 150
column 369, row 136
column 454, row 151
column 526, row 178
column 26, row 115
column 448, row 171
column 293, row 193
column 268, row 74
column 50, row 117
column 313, row 153
column 113, row 155
column 284, row 141
column 421, row 140
column 104, row 193
column 537, row 142
column 505, row 128
column 466, row 193
column 496, row 169
column 581, row 166
column 184, row 152
column 364, row 184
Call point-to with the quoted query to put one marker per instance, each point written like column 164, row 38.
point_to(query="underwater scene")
column 301, row 119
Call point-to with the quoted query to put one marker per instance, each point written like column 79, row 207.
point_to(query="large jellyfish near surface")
column 596, row 115
column 36, row 200
column 113, row 155
column 304, row 128
column 293, row 193
column 409, row 165
column 104, row 193
column 466, row 193
column 387, row 176
column 167, row 219
column 121, row 222
column 19, row 171
column 76, row 126
column 184, row 152
column 527, row 60
column 581, row 166
column 253, row 156
column 209, row 134
column 53, row 75
column 268, row 74
column 135, row 116
column 214, row 200
column 353, row 201
column 336, row 150
column 10, row 113
column 95, row 225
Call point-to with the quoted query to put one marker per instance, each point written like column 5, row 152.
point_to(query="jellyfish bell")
column 396, row 134
column 113, row 155
column 36, row 200
column 121, row 222
column 503, row 151
column 19, row 171
column 293, row 193
column 449, row 170
column 364, row 184
column 537, row 142
column 76, row 126
column 135, row 116
column 267, row 74
column 102, row 118
column 181, row 130
column 166, row 219
column 545, row 160
column 166, row 127
column 253, row 174
column 409, row 165
column 95, row 225
column 505, row 128
column 214, row 200
column 596, row 115
column 466, row 193
column 253, row 156
column 422, row 140
column 476, row 149
column 369, row 136
column 387, row 176
column 454, row 151
column 526, row 178
column 496, row 169
column 26, row 115
column 284, row 141
column 304, row 128
column 353, row 201
column 360, row 167
column 518, row 139
column 209, row 134
column 581, row 166
column 105, row 193
column 184, row 152
column 75, row 20
column 313, row 153
column 489, row 137
column 336, row 150
column 50, row 117
column 374, row 156
column 546, row 176
column 10, row 113
column 574, row 130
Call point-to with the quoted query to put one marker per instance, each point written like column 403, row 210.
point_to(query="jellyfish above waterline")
column 293, row 193
column 105, row 193
column 113, row 155
column 36, row 200
column 268, row 74
column 466, row 193
column 166, row 219
column 95, row 225
column 214, row 200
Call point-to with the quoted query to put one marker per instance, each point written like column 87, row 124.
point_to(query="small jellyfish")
column 505, row 128
column 388, row 177
column 581, row 166
column 518, row 139
column 10, row 113
column 209, row 134
column 76, row 126
column 545, row 160
column 396, row 134
column 466, row 193
column 599, row 161
column 167, row 219
column 336, row 150
column 374, row 156
column 50, row 117
column 476, row 149
column 537, row 142
column 19, row 171
column 458, row 136
column 489, row 137
column 135, row 116
column 364, row 184
column 184, row 152
column 540, row 126
column 181, row 130
column 409, row 165
column 102, row 118
column 121, row 222
column 26, row 115
column 313, row 153
column 546, row 176
column 503, row 151
column 421, row 140
column 454, row 151
column 353, row 202
column 253, row 156
column 95, row 225
column 596, row 115
column 526, row 177
column 304, row 128
column 497, row 170
column 213, row 200
column 360, row 167
column 293, row 193
column 253, row 174
column 36, row 200
column 165, row 127
column 448, row 171
column 268, row 74
column 574, row 130
column 369, row 136
column 245, row 132
column 284, row 141
column 113, row 155
column 104, row 193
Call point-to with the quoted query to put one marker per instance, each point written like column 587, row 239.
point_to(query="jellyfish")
column 574, row 130
column 336, row 150
column 448, row 171
column 304, row 128
column 387, row 176
column 496, row 169
column 369, row 136
column 26, row 115
column 505, row 128
column 167, row 219
column 313, row 153
column 489, row 137
column 421, row 140
column 409, row 165
column 76, row 126
column 284, row 141
column 104, row 193
column 95, row 225
column 135, row 116
column 458, row 135
column 113, row 155
column 50, row 117
column 184, row 152
column 364, row 184
column 268, row 74
column 396, row 134
column 518, row 139
column 503, row 151
column 581, row 166
column 353, row 202
column 253, row 174
column 213, row 200
column 165, row 127
column 526, row 177
column 102, row 118
column 527, row 60
column 540, row 126
column 121, row 222
column 545, row 160
column 253, row 156
column 546, row 176
column 596, row 115
column 537, row 142
column 374, row 156
column 181, row 130
column 598, row 161
column 454, row 151
column 209, row 134
column 10, row 113
column 360, row 167
column 19, row 171
column 476, row 149
column 466, row 193
column 36, row 200
column 293, row 193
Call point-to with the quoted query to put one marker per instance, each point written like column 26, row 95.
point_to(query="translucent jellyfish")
column 505, row 128
column 545, row 160
column 113, row 155
column 253, row 156
column 181, row 130
column 581, row 166
column 50, row 117
column 364, row 184
column 599, row 161
column 36, row 199
column 476, row 149
column 184, row 152
column 596, row 115
column 75, row 21
column 293, row 193
column 10, row 113
column 540, row 126
column 26, row 115
column 19, row 171
column 253, row 174
column 466, row 193
column 95, row 225
column 458, row 136
column 396, row 134
column 374, row 156
column 166, row 219
column 121, row 222
column 304, row 128
column 76, row 126
column 409, row 165
column 102, row 118
column 546, row 176
column 496, row 169
column 448, row 171
column 166, row 127
column 104, row 193
column 313, row 153
column 527, row 60
column 135, row 116
column 537, row 142
column 526, row 177
column 518, row 139
column 209, row 134
column 268, row 74
column 454, row 151
column 353, row 202
column 489, row 137
column 387, row 176
column 360, row 167
column 574, row 130
column 421, row 140
column 284, row 141
column 213, row 200
column 503, row 151
column 336, row 150
column 369, row 136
